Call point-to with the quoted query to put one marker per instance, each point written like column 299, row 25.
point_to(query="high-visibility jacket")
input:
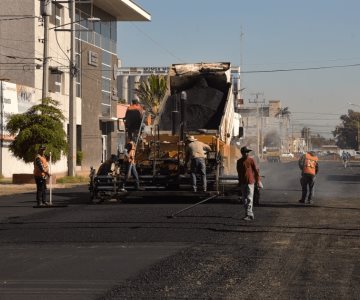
column 41, row 166
column 310, row 164
column 133, row 117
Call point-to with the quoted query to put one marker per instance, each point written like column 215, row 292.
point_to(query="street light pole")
column 45, row 12
column 256, row 101
column 72, row 96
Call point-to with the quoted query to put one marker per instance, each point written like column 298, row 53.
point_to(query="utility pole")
column 2, row 124
column 72, row 96
column 257, row 102
column 45, row 10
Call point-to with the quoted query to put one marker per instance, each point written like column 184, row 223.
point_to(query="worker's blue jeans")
column 131, row 171
column 198, row 166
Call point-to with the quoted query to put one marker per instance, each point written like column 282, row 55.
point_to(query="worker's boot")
column 123, row 188
column 137, row 186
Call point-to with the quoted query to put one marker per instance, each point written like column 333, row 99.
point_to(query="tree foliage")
column 317, row 141
column 40, row 124
column 151, row 92
column 346, row 134
column 283, row 113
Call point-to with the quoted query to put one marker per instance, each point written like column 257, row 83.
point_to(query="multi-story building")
column 264, row 126
column 22, row 60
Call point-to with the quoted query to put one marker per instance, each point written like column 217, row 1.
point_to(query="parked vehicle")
column 287, row 155
column 357, row 155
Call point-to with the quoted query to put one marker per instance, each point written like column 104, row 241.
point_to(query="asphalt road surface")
column 132, row 250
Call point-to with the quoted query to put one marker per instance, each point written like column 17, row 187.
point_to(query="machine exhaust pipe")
column 175, row 118
column 183, row 98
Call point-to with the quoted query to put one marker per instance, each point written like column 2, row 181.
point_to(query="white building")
column 21, row 66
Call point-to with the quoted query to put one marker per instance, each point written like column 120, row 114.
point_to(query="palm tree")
column 151, row 91
column 283, row 113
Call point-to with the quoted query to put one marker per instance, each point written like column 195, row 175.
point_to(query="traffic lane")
column 73, row 271
column 333, row 180
column 217, row 233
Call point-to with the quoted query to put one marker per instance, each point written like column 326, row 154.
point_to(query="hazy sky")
column 276, row 35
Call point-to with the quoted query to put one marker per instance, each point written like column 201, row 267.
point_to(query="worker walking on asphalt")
column 248, row 175
column 345, row 157
column 309, row 166
column 196, row 154
column 41, row 172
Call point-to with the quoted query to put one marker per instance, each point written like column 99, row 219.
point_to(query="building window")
column 100, row 34
column 55, row 80
column 56, row 16
column 106, row 84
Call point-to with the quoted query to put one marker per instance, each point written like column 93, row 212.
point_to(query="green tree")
column 347, row 133
column 40, row 124
column 151, row 92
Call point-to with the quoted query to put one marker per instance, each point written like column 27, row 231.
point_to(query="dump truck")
column 272, row 154
column 200, row 102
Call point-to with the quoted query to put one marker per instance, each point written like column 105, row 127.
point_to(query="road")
column 133, row 251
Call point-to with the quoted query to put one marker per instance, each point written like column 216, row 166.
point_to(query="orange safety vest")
column 37, row 171
column 310, row 164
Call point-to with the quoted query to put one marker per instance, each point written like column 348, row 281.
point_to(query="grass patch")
column 72, row 179
column 5, row 180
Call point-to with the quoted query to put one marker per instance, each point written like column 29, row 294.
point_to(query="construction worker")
column 107, row 166
column 41, row 172
column 345, row 156
column 248, row 176
column 130, row 165
column 133, row 118
column 309, row 166
column 196, row 154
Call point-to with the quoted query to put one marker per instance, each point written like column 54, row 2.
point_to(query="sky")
column 281, row 37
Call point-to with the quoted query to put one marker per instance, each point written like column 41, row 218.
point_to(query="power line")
column 300, row 69
column 158, row 44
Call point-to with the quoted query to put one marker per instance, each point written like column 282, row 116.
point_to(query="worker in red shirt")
column 133, row 118
column 248, row 175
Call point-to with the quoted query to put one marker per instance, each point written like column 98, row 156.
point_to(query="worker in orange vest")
column 133, row 118
column 41, row 172
column 309, row 166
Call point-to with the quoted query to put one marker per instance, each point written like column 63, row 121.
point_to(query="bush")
column 79, row 157
column 72, row 179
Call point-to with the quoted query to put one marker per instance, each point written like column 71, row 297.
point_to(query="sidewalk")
column 10, row 188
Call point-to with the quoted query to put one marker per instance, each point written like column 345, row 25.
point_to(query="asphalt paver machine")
column 199, row 102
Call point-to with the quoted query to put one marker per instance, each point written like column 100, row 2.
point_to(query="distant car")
column 357, row 155
column 287, row 155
